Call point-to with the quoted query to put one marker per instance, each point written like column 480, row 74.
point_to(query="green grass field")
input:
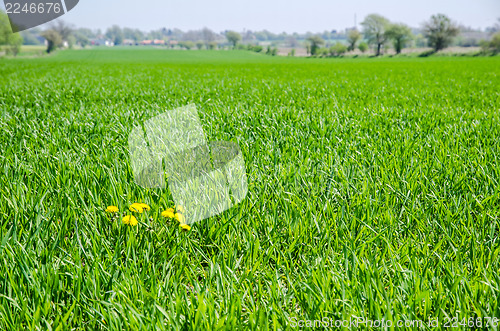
column 374, row 191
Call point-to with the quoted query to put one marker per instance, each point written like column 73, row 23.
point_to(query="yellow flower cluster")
column 176, row 213
column 138, row 207
column 169, row 213
column 130, row 219
column 112, row 209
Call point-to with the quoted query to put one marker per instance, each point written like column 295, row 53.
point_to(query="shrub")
column 186, row 44
column 255, row 48
column 363, row 47
column 14, row 44
column 495, row 43
column 338, row 49
column 426, row 53
column 212, row 45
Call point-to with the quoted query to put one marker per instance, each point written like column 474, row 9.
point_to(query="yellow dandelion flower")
column 179, row 217
column 135, row 207
column 179, row 209
column 169, row 213
column 130, row 220
column 133, row 221
column 185, row 227
column 112, row 209
column 138, row 207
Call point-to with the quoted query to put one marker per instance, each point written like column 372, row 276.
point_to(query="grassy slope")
column 374, row 190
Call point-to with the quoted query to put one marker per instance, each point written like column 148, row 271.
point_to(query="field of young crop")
column 373, row 192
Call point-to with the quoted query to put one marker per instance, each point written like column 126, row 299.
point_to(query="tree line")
column 377, row 32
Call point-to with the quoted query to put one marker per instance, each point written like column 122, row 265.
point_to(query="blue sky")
column 273, row 15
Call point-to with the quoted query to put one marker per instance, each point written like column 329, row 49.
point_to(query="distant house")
column 129, row 42
column 101, row 42
column 153, row 42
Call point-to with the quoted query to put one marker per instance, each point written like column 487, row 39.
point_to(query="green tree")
column 400, row 34
column 14, row 44
column 440, row 31
column 5, row 30
column 352, row 38
column 199, row 44
column 363, row 47
column 315, row 43
column 485, row 46
column 53, row 38
column 11, row 41
column 233, row 37
column 374, row 28
column 495, row 43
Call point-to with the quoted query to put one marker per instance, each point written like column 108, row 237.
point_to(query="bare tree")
column 65, row 30
column 208, row 36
